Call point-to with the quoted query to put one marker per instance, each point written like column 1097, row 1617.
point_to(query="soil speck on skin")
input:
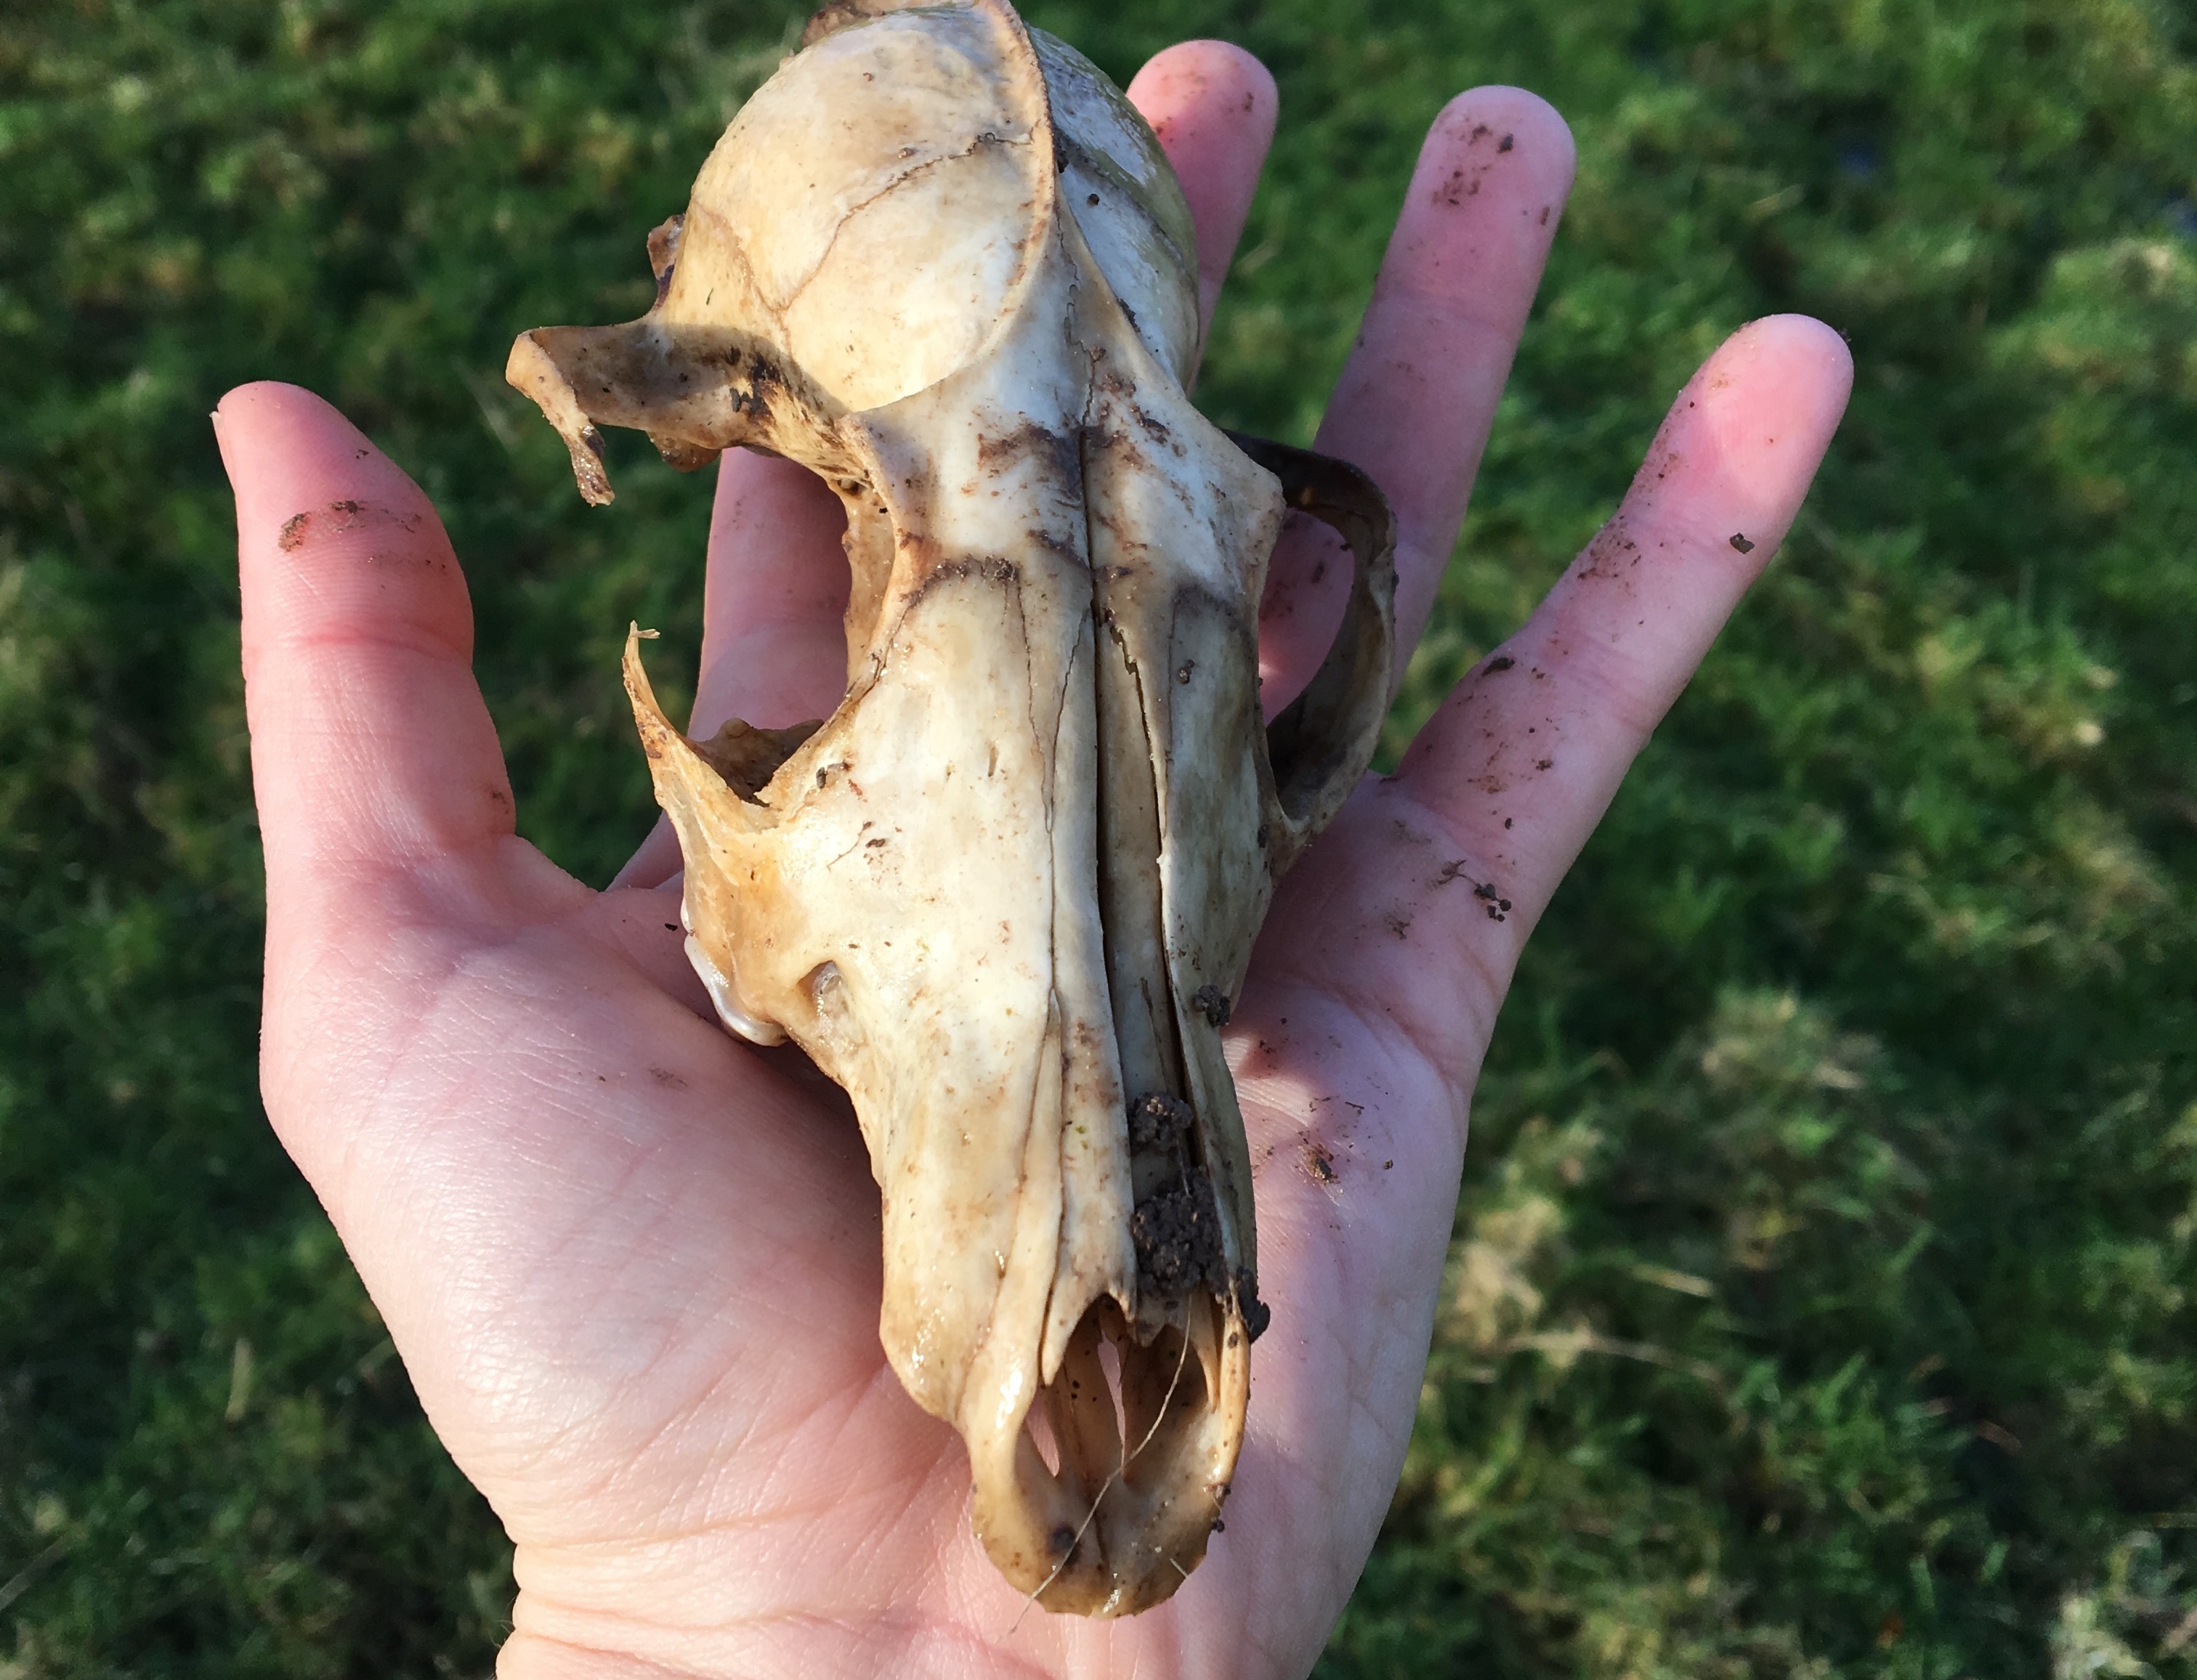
column 667, row 1079
column 1739, row 541
column 1501, row 662
column 1208, row 1001
column 350, row 516
column 1506, row 143
column 1320, row 1164
column 1461, row 185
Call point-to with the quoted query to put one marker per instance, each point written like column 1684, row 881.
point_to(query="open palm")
column 633, row 1264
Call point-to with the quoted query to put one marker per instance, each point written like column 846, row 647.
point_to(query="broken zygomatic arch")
column 1006, row 893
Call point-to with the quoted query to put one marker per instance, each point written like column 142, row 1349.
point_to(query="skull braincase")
column 1005, row 893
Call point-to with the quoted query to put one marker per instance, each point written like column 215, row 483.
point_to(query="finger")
column 1521, row 760
column 773, row 604
column 1213, row 107
column 774, row 648
column 372, row 750
column 1417, row 396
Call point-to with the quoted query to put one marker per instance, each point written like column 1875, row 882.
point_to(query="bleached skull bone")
column 1006, row 893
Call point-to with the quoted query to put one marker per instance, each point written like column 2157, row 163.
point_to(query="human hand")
column 633, row 1264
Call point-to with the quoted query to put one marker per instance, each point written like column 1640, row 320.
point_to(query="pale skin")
column 632, row 1264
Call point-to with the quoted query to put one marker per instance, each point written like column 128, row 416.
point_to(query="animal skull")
column 1005, row 893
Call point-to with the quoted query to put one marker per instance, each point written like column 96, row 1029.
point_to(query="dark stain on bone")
column 1055, row 454
column 992, row 568
column 1041, row 538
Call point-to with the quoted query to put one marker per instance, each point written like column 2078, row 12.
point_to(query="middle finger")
column 1418, row 393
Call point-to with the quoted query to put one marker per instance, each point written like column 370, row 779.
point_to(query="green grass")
column 1822, row 1298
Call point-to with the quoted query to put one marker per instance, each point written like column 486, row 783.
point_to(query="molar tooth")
column 891, row 270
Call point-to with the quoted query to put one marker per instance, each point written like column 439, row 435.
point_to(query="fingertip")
column 326, row 525
column 1216, row 81
column 1758, row 418
column 1820, row 358
column 1806, row 352
column 267, row 410
column 1514, row 124
column 287, row 450
column 1213, row 107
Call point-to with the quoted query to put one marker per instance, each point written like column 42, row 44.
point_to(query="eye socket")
column 776, row 602
column 1320, row 743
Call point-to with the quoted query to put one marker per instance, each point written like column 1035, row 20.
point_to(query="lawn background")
column 1821, row 1299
